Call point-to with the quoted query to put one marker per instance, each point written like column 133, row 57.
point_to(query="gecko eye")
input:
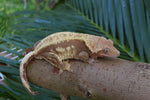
column 106, row 50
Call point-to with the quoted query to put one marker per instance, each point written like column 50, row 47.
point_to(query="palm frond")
column 45, row 23
column 126, row 22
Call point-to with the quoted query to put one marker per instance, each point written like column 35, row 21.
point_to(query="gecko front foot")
column 84, row 56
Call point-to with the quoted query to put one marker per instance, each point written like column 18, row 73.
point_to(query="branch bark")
column 102, row 79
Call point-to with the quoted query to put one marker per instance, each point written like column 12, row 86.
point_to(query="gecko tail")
column 23, row 75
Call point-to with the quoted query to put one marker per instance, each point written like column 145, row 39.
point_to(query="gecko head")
column 110, row 52
column 107, row 49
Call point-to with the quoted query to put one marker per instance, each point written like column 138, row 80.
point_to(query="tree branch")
column 103, row 79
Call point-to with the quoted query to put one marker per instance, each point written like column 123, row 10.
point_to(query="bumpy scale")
column 61, row 46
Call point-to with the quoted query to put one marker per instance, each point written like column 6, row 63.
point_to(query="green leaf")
column 143, row 28
column 9, row 61
column 119, row 19
column 3, row 47
column 9, row 69
column 127, row 24
column 14, row 42
column 136, row 28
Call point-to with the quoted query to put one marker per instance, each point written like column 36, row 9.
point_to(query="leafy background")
column 126, row 22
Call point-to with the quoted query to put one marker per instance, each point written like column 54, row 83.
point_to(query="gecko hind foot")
column 66, row 66
column 35, row 92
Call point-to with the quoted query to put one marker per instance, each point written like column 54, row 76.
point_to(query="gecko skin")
column 58, row 47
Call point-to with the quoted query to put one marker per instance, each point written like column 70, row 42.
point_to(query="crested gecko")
column 61, row 46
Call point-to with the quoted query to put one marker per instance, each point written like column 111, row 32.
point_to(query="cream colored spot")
column 68, row 48
column 72, row 46
column 58, row 49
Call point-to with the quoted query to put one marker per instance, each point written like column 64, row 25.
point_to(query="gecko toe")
column 36, row 92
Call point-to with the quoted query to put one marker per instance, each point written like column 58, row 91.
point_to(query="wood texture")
column 102, row 79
